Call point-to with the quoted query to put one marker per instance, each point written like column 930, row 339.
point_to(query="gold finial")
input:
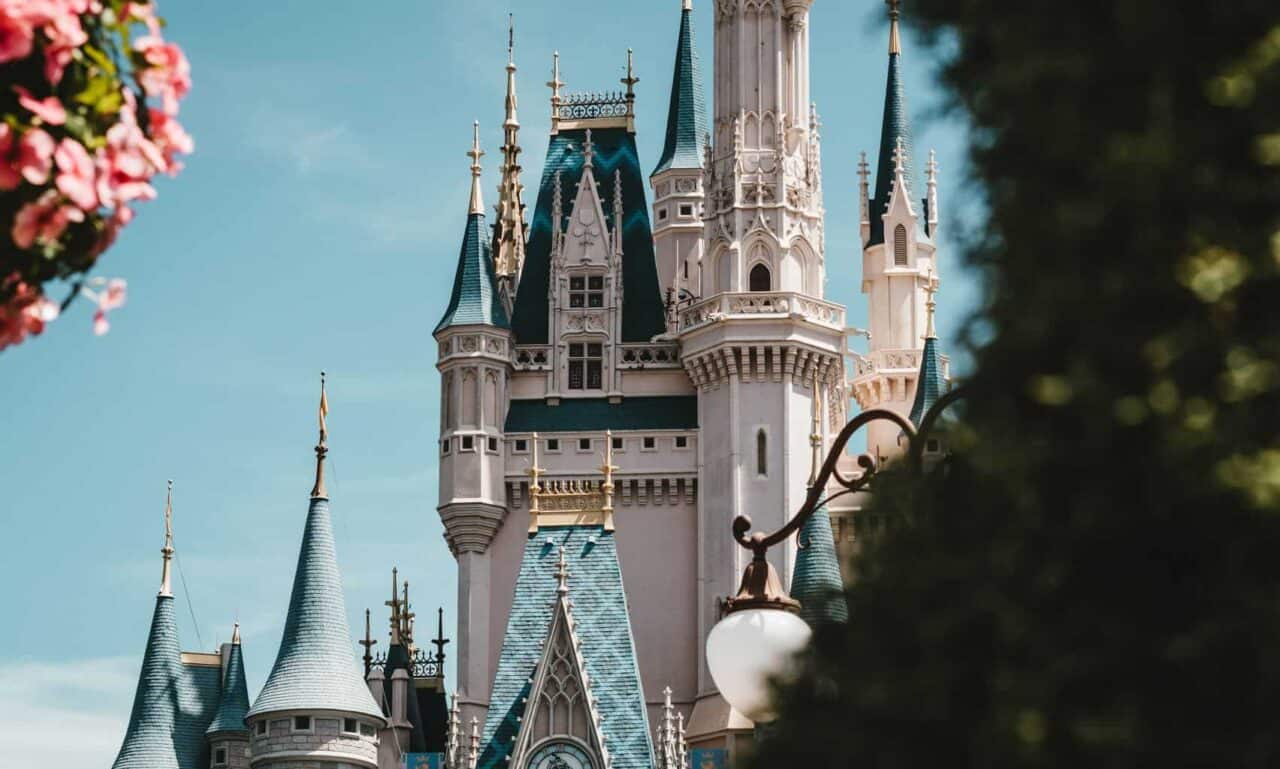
column 630, row 82
column 511, row 38
column 394, row 603
column 477, row 199
column 815, row 436
column 368, row 644
column 166, row 585
column 555, row 83
column 235, row 635
column 406, row 619
column 931, row 306
column 318, row 491
column 895, row 44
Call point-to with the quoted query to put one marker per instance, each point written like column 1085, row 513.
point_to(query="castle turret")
column 761, row 343
column 816, row 583
column 474, row 338
column 315, row 701
column 899, row 263
column 510, row 228
column 228, row 735
column 677, row 179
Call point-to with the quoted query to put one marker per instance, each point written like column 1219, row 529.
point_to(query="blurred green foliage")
column 1093, row 579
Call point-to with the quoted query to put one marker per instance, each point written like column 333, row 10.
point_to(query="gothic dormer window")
column 586, row 291
column 586, row 366
column 759, row 279
column 900, row 246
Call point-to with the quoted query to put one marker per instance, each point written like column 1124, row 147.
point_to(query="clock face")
column 560, row 755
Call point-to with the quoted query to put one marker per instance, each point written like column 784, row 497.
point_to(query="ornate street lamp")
column 760, row 630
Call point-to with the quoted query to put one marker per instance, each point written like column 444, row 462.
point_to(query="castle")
column 622, row 373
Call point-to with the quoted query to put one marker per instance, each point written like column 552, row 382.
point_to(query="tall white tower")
column 899, row 264
column 760, row 333
column 475, row 353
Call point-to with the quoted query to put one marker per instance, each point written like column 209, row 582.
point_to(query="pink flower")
column 43, row 220
column 10, row 177
column 49, row 109
column 168, row 73
column 127, row 163
column 76, row 174
column 65, row 35
column 113, row 298
column 170, row 139
column 100, row 324
column 33, row 156
column 27, row 312
column 16, row 37
column 144, row 12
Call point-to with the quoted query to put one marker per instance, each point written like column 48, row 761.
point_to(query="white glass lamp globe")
column 748, row 647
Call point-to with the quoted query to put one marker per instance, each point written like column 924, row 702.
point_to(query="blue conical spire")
column 815, row 580
column 687, row 118
column 929, row 385
column 895, row 126
column 234, row 703
column 475, row 299
column 315, row 668
column 148, row 742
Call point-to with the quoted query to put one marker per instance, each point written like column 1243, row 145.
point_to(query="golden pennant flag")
column 324, row 410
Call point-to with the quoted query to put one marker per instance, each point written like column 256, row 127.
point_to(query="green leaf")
column 101, row 59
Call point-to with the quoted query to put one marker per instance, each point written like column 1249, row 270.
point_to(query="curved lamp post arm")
column 760, row 587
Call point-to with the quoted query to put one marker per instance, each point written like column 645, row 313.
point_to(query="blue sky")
column 316, row 227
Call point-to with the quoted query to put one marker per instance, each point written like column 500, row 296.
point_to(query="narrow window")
column 584, row 444
column 367, row 730
column 522, row 445
column 493, row 445
column 686, row 209
column 444, row 446
column 662, row 214
column 617, row 444
column 900, row 246
column 932, row 446
column 553, row 444
column 649, row 442
column 682, row 442
column 586, row 366
column 468, row 443
column 350, row 726
column 760, row 279
column 261, row 728
column 762, row 453
column 220, row 757
column 686, row 269
column 302, row 723
column 586, row 291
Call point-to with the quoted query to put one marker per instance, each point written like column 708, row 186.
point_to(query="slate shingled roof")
column 172, row 705
column 930, row 385
column 475, row 297
column 603, row 624
column 896, row 125
column 679, row 412
column 816, row 581
column 643, row 313
column 315, row 668
column 687, row 116
column 234, row 705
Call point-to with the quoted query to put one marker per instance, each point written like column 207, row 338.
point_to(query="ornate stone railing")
column 772, row 304
column 892, row 360
column 532, row 358
column 588, row 106
column 638, row 356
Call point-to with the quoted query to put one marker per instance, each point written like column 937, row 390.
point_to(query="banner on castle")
column 423, row 761
column 709, row 758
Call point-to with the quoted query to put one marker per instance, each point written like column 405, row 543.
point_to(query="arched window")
column 900, row 246
column 762, row 453
column 760, row 279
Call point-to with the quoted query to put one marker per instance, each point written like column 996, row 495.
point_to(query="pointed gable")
column 315, row 668
column 895, row 127
column 816, row 581
column 587, row 232
column 602, row 626
column 687, row 116
column 643, row 313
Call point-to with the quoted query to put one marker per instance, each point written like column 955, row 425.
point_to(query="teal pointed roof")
column 234, row 704
column 172, row 705
column 315, row 668
column 687, row 116
column 643, row 312
column 895, row 125
column 930, row 386
column 475, row 299
column 816, row 582
column 603, row 625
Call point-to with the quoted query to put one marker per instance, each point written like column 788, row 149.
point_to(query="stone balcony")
column 762, row 305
